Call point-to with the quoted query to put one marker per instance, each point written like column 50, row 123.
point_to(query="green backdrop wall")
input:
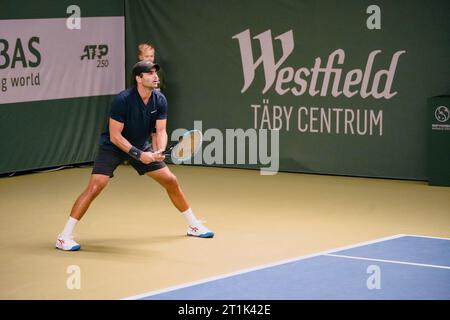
column 198, row 47
column 335, row 126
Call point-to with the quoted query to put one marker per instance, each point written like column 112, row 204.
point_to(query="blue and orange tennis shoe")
column 67, row 243
column 200, row 231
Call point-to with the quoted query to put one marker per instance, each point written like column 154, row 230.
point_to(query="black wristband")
column 135, row 153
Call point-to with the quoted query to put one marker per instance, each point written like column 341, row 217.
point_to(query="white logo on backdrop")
column 314, row 80
column 442, row 114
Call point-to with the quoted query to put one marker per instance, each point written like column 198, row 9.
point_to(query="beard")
column 150, row 84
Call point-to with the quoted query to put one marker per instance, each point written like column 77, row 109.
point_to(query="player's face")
column 150, row 79
column 148, row 54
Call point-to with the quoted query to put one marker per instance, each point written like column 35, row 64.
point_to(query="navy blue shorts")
column 108, row 160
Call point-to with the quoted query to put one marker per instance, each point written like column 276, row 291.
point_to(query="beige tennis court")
column 133, row 240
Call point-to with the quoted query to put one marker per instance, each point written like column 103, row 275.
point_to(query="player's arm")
column 115, row 132
column 160, row 136
column 153, row 140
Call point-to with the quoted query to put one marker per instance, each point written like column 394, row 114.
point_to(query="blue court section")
column 407, row 267
column 407, row 249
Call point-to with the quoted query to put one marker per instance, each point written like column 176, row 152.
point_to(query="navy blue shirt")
column 139, row 119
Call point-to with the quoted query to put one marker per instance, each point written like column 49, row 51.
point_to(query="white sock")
column 190, row 218
column 70, row 225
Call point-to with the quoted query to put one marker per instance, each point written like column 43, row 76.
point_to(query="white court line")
column 152, row 293
column 388, row 261
column 417, row 236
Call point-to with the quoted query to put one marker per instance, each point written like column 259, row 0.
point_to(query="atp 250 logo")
column 96, row 52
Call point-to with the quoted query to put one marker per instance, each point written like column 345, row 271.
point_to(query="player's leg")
column 96, row 184
column 105, row 164
column 170, row 182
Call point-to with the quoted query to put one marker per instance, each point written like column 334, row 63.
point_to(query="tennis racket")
column 186, row 147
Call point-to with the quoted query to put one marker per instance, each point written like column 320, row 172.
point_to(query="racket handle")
column 169, row 149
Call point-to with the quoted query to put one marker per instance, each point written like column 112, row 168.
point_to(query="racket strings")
column 188, row 145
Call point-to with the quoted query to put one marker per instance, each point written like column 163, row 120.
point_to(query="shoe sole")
column 74, row 248
column 205, row 235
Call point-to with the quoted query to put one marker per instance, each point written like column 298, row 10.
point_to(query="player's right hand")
column 148, row 157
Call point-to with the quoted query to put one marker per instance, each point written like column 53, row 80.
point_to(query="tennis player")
column 134, row 114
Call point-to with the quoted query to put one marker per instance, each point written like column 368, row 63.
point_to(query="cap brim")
column 157, row 67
